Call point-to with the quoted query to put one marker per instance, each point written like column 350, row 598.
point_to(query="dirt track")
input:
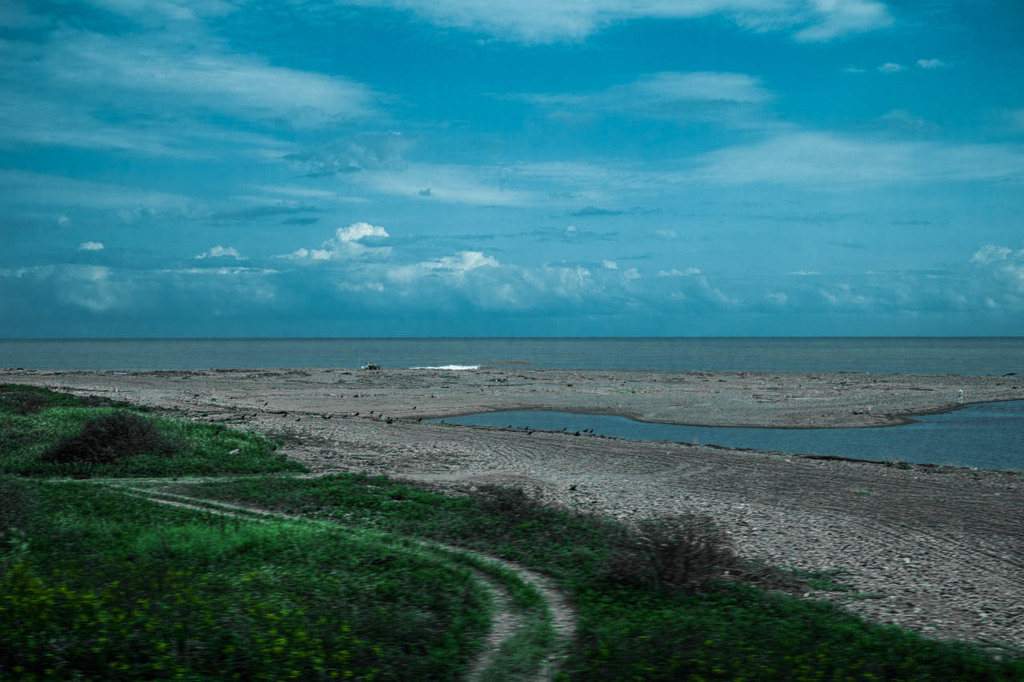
column 937, row 549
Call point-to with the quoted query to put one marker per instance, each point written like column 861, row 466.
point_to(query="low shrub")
column 110, row 437
column 684, row 552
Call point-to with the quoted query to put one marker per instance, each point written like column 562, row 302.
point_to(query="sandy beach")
column 936, row 549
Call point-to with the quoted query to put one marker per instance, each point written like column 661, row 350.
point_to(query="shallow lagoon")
column 986, row 436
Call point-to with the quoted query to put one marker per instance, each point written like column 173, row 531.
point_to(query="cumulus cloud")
column 931, row 63
column 347, row 244
column 307, row 254
column 991, row 253
column 610, row 265
column 90, row 246
column 891, row 67
column 693, row 289
column 221, row 252
column 462, row 262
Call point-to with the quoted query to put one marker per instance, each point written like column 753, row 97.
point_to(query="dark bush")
column 111, row 437
column 679, row 553
column 511, row 503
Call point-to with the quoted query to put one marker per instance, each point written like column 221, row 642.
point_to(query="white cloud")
column 307, row 254
column 825, row 159
column 90, row 246
column 666, row 234
column 853, row 69
column 668, row 87
column 904, row 120
column 931, row 63
column 49, row 190
column 688, row 272
column 844, row 296
column 540, row 21
column 706, row 96
column 186, row 77
column 804, row 273
column 462, row 262
column 347, row 244
column 221, row 272
column 358, row 231
column 990, row 253
column 63, row 220
column 157, row 11
column 836, row 18
column 610, row 265
column 891, row 67
column 471, row 185
column 221, row 252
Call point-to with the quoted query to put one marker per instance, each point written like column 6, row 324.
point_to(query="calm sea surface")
column 906, row 355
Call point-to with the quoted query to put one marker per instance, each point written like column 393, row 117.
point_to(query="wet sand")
column 936, row 549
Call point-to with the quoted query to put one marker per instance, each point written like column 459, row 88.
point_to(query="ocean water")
column 995, row 356
column 985, row 436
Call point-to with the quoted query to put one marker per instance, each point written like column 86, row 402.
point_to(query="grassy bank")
column 96, row 584
column 637, row 623
column 98, row 581
column 43, row 433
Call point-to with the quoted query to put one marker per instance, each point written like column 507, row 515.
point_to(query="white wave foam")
column 457, row 368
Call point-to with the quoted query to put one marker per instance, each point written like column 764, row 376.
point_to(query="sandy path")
column 940, row 550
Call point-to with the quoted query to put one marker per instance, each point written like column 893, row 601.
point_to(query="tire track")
column 508, row 623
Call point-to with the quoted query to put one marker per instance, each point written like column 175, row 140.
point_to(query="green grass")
column 100, row 585
column 43, row 433
column 635, row 630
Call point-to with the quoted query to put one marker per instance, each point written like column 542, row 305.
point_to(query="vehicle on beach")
column 370, row 365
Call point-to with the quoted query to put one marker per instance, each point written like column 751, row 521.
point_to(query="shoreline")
column 936, row 549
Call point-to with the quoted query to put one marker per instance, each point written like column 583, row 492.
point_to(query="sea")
column 991, row 356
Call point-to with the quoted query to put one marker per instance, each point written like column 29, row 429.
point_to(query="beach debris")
column 370, row 366
column 960, row 397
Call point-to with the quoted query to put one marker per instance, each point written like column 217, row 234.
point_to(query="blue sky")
column 511, row 168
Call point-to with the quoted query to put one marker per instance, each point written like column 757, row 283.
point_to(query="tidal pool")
column 985, row 436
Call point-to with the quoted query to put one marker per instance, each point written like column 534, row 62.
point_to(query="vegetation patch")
column 111, row 437
column 44, row 433
column 110, row 587
column 681, row 619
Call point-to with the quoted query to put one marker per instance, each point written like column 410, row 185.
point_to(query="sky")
column 233, row 168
